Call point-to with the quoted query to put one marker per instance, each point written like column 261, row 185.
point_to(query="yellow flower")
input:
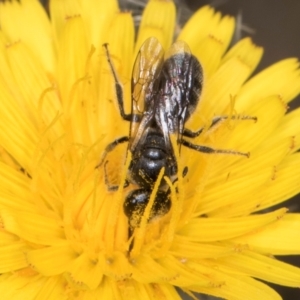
column 65, row 236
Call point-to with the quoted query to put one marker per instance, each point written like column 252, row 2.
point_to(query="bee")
column 165, row 91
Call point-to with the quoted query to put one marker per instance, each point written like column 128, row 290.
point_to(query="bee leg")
column 215, row 121
column 118, row 86
column 209, row 150
column 109, row 186
column 192, row 134
column 110, row 147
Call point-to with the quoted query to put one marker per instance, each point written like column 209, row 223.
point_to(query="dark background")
column 272, row 24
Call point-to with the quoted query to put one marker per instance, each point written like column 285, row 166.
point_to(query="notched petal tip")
column 158, row 18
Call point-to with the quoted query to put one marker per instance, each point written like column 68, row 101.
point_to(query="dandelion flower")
column 65, row 236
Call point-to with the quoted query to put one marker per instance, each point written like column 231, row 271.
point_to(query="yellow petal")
column 231, row 192
column 73, row 55
column 282, row 78
column 19, row 22
column 33, row 227
column 12, row 257
column 121, row 43
column 208, row 35
column 146, row 269
column 247, row 135
column 265, row 159
column 221, row 87
column 51, row 261
column 20, row 199
column 204, row 23
column 209, row 53
column 284, row 183
column 158, row 20
column 260, row 266
column 60, row 11
column 64, row 232
column 52, row 288
column 246, row 51
column 19, row 138
column 234, row 285
column 85, row 271
column 32, row 81
column 15, row 287
column 187, row 278
column 266, row 240
column 98, row 15
column 183, row 247
column 289, row 127
column 268, row 155
column 217, row 229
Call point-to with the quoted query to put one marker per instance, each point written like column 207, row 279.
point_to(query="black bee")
column 165, row 92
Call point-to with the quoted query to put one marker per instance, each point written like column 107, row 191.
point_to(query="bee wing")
column 145, row 72
column 180, row 87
